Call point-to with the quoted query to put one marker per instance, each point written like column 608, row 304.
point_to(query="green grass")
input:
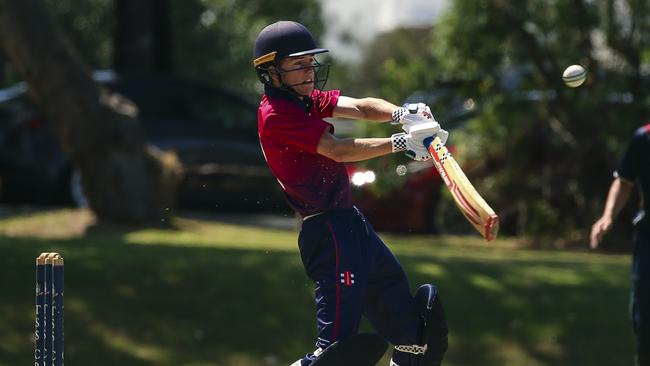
column 210, row 293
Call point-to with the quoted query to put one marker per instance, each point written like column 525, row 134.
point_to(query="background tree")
column 213, row 39
column 205, row 40
column 89, row 26
column 549, row 150
column 142, row 37
column 540, row 152
column 125, row 180
column 2, row 70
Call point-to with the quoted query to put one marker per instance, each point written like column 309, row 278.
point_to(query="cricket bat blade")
column 468, row 200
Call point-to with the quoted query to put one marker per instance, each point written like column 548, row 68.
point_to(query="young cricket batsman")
column 354, row 272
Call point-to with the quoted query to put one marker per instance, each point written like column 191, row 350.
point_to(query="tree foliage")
column 211, row 40
column 396, row 63
column 89, row 25
column 545, row 151
column 540, row 152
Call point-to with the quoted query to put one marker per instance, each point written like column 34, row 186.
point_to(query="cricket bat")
column 468, row 200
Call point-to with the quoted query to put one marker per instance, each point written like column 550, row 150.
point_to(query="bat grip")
column 427, row 141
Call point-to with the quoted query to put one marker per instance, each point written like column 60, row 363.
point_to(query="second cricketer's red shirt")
column 289, row 132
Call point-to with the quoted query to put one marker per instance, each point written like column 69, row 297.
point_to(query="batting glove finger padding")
column 443, row 135
column 410, row 114
column 421, row 131
column 413, row 142
column 404, row 142
column 418, row 153
column 398, row 114
column 413, row 149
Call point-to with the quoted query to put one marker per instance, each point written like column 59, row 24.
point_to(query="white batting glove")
column 403, row 142
column 414, row 142
column 443, row 134
column 411, row 114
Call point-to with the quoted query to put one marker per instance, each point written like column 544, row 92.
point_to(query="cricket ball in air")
column 574, row 76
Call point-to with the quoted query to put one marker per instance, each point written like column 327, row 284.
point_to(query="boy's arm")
column 353, row 149
column 370, row 109
column 619, row 193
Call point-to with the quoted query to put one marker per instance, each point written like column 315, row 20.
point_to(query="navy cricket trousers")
column 355, row 274
column 641, row 295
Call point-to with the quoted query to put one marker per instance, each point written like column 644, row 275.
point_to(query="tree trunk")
column 2, row 70
column 125, row 180
column 142, row 37
column 162, row 45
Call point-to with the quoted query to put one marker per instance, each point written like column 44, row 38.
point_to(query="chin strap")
column 307, row 101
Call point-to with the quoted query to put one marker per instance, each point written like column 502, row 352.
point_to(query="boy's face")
column 298, row 73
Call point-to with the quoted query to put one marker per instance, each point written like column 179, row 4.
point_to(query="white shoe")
column 316, row 353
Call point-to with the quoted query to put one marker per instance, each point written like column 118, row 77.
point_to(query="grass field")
column 209, row 293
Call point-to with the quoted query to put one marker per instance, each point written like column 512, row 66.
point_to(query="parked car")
column 213, row 131
column 410, row 207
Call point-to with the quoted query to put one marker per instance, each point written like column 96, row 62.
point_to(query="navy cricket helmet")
column 285, row 39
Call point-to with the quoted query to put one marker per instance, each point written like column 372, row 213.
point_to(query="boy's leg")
column 641, row 296
column 432, row 331
column 334, row 258
column 398, row 316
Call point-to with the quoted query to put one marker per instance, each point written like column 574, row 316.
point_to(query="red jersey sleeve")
column 325, row 102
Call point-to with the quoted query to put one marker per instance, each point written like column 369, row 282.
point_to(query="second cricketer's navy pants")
column 355, row 274
column 641, row 295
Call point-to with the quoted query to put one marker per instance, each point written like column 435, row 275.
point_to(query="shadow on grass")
column 532, row 312
column 160, row 304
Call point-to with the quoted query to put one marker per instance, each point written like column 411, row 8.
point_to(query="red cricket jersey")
column 289, row 137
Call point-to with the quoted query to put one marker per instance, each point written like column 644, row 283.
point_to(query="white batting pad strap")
column 398, row 140
column 412, row 348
